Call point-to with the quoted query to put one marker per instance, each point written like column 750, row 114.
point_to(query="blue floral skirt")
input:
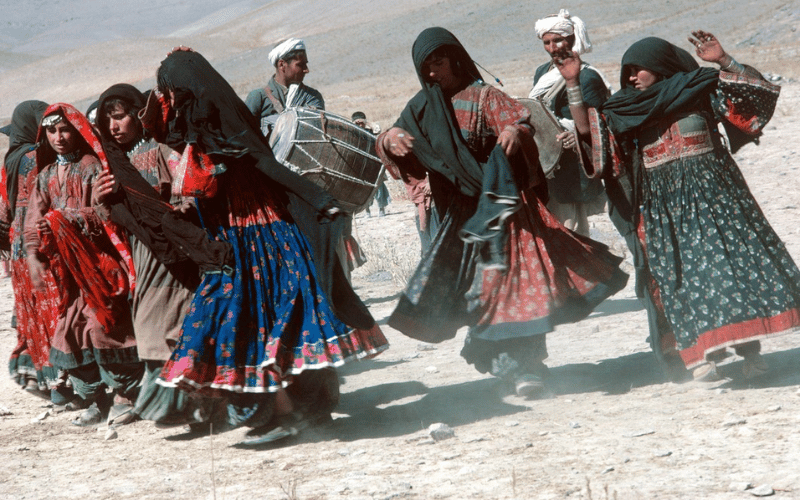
column 253, row 328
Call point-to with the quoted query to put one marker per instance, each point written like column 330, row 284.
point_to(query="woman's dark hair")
column 109, row 106
column 455, row 56
column 127, row 107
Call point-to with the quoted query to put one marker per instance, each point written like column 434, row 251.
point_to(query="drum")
column 330, row 151
column 545, row 128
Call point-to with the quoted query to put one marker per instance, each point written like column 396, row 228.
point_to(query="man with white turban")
column 285, row 88
column 573, row 196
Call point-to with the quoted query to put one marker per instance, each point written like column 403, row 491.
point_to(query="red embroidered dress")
column 80, row 337
column 36, row 310
column 553, row 275
column 85, row 254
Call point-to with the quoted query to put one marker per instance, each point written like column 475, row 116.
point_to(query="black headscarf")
column 209, row 113
column 22, row 139
column 428, row 117
column 682, row 86
column 438, row 144
column 138, row 207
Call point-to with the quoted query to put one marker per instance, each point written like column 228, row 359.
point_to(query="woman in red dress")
column 500, row 262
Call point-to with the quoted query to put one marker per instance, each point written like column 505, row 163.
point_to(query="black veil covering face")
column 21, row 138
column 206, row 111
column 171, row 236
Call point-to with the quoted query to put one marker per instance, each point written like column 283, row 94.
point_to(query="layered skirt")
column 255, row 326
column 721, row 275
column 554, row 276
column 36, row 314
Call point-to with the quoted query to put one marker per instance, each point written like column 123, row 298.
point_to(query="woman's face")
column 63, row 137
column 437, row 68
column 642, row 78
column 122, row 126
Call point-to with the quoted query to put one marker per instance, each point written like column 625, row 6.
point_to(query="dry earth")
column 611, row 427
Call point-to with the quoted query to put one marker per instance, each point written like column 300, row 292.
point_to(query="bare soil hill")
column 611, row 426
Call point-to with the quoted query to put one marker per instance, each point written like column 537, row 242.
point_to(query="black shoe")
column 287, row 426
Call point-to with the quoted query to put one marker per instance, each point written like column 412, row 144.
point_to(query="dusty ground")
column 611, row 427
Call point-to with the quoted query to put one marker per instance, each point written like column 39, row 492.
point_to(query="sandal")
column 754, row 365
column 707, row 372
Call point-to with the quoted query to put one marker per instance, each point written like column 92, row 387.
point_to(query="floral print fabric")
column 252, row 328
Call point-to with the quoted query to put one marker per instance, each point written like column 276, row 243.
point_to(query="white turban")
column 565, row 25
column 284, row 48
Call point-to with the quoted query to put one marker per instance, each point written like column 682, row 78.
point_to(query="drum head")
column 545, row 129
column 330, row 151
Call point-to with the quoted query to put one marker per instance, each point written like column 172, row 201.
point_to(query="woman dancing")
column 262, row 328
column 163, row 290
column 93, row 338
column 35, row 309
column 717, row 275
column 500, row 262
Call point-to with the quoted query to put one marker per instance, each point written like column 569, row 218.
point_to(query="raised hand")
column 180, row 48
column 708, row 47
column 569, row 64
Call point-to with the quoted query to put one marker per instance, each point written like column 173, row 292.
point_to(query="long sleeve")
column 258, row 104
column 744, row 101
column 38, row 205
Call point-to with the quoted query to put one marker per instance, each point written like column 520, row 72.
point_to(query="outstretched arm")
column 569, row 64
column 710, row 50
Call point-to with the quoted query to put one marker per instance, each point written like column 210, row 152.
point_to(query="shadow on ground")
column 408, row 408
column 404, row 408
column 610, row 307
column 784, row 371
column 612, row 376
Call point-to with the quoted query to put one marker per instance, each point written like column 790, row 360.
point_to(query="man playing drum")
column 286, row 87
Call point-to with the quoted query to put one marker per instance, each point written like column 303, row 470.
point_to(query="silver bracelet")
column 574, row 96
column 734, row 67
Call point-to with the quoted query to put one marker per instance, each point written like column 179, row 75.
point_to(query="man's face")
column 294, row 70
column 556, row 45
